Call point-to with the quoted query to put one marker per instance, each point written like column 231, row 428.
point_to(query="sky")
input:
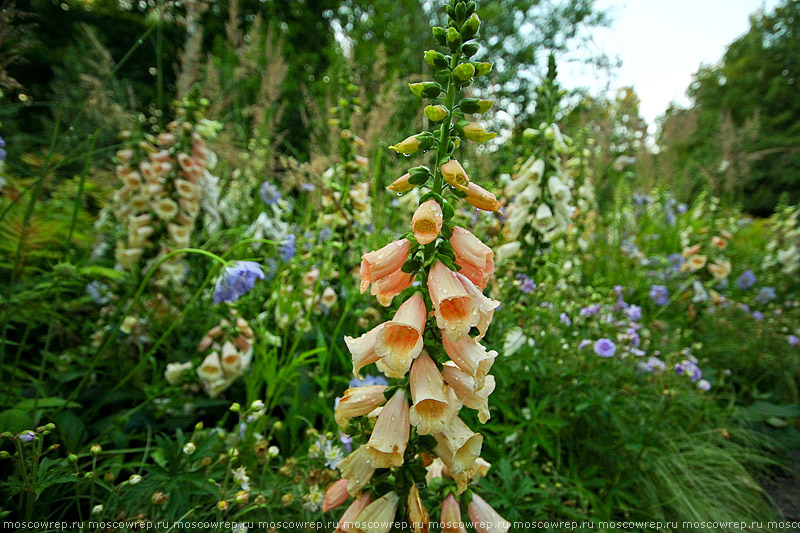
column 661, row 44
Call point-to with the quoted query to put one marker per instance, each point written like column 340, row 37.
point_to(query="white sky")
column 661, row 43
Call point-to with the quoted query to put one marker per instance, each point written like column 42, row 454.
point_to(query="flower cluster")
column 435, row 369
column 783, row 251
column 229, row 349
column 164, row 180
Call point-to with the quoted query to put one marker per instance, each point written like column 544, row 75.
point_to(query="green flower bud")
column 461, row 11
column 235, row 407
column 95, row 450
column 426, row 89
column 470, row 49
column 471, row 27
column 419, row 175
column 4, row 455
column 407, row 146
column 72, row 458
column 464, row 72
column 436, row 60
column 440, row 34
column 475, row 133
column 474, row 105
column 453, row 39
column 436, row 113
column 482, row 69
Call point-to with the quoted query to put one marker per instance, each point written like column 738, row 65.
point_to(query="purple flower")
column 528, row 285
column 634, row 313
column 27, row 436
column 347, row 440
column 765, row 295
column 286, row 249
column 653, row 365
column 794, row 340
column 703, row 384
column 676, row 261
column 368, row 380
column 635, row 341
column 564, row 318
column 236, row 280
column 269, row 193
column 746, row 280
column 590, row 310
column 605, row 347
column 758, row 315
column 659, row 294
column 689, row 368
column 584, row 343
column 2, row 151
column 307, row 187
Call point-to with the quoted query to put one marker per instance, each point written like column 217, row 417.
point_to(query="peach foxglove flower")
column 482, row 199
column 231, row 360
column 417, row 514
column 483, row 305
column 401, row 184
column 180, row 236
column 719, row 242
column 363, row 349
column 345, row 524
column 357, row 470
column 380, row 263
column 467, row 391
column 385, row 289
column 359, row 401
column 210, row 369
column 311, row 277
column 378, row 517
column 435, row 404
column 720, row 268
column 451, row 516
column 475, row 258
column 458, row 446
column 694, row 263
column 484, row 518
column 471, row 357
column 427, row 222
column 691, row 250
column 400, row 340
column 186, row 189
column 455, row 175
column 454, row 307
column 389, row 438
column 174, row 371
column 335, row 496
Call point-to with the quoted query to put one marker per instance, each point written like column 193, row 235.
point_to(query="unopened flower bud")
column 95, row 450
column 440, row 34
column 464, row 72
column 222, row 505
column 471, row 26
column 189, row 448
column 287, row 500
column 474, row 105
column 454, row 174
column 97, row 509
column 470, row 49
column 235, row 407
column 273, row 451
column 436, row 113
column 436, row 60
column 278, row 425
column 476, row 133
column 4, row 455
column 407, row 146
column 479, row 197
column 454, row 39
column 72, row 458
column 426, row 89
column 257, row 405
column 482, row 69
column 241, row 497
column 134, row 479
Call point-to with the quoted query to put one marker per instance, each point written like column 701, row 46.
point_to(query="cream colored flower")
column 389, row 438
column 435, row 404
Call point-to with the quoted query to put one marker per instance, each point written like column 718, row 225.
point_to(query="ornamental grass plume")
column 430, row 351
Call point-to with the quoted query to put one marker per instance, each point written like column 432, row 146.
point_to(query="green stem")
column 444, row 135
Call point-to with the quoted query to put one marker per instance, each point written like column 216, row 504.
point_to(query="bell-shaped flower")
column 450, row 519
column 407, row 146
column 518, row 215
column 482, row 199
column 558, row 190
column 345, row 524
column 476, row 133
column 335, row 496
column 435, row 404
column 389, row 438
column 427, row 222
column 453, row 305
column 359, row 401
column 363, row 348
column 483, row 305
column 507, row 250
column 455, row 175
column 385, row 289
column 357, row 470
column 458, row 446
column 471, row 357
column 401, row 184
column 475, row 258
column 383, row 262
column 532, row 171
column 418, row 516
column 544, row 218
column 378, row 517
column 465, row 387
column 484, row 518
column 400, row 340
